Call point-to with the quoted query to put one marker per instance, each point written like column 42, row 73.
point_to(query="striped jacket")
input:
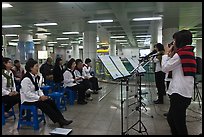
column 188, row 60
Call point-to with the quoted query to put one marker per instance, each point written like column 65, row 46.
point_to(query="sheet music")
column 118, row 63
column 110, row 66
column 135, row 64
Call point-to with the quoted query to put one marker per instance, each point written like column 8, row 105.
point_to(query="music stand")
column 118, row 72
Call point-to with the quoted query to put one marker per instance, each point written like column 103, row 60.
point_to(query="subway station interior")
column 115, row 36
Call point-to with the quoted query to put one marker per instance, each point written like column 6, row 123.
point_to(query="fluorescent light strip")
column 62, row 38
column 121, row 40
column 11, row 26
column 15, row 40
column 197, row 38
column 13, row 44
column 36, row 42
column 11, row 35
column 141, row 40
column 81, row 38
column 43, row 33
column 64, row 44
column 115, row 37
column 124, row 43
column 99, row 21
column 45, row 24
column 141, row 36
column 36, row 39
column 6, row 5
column 70, row 33
column 74, row 42
column 50, row 44
column 149, row 18
column 54, row 42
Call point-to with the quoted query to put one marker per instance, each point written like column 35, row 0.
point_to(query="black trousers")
column 81, row 91
column 10, row 101
column 49, row 108
column 167, row 84
column 94, row 83
column 160, row 84
column 177, row 114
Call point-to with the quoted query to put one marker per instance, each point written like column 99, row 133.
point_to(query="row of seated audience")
column 76, row 76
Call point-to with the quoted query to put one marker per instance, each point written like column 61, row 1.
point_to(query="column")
column 26, row 47
column 199, row 48
column 75, row 51
column 112, row 48
column 119, row 49
column 4, row 52
column 154, row 34
column 90, row 45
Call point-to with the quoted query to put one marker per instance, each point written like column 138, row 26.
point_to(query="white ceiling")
column 71, row 16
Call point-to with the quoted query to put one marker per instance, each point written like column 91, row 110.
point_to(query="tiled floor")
column 102, row 116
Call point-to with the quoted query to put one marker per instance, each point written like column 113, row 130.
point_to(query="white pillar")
column 4, row 46
column 199, row 48
column 26, row 47
column 112, row 48
column 75, row 51
column 90, row 45
column 119, row 49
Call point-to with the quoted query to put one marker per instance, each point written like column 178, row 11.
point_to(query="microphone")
column 156, row 54
column 151, row 53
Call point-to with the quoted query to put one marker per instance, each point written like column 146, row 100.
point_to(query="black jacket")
column 58, row 74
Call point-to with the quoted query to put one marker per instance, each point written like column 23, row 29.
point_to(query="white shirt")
column 78, row 75
column 180, row 84
column 87, row 71
column 158, row 65
column 27, row 91
column 68, row 79
column 6, row 90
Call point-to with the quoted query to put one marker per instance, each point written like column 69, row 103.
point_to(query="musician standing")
column 159, row 75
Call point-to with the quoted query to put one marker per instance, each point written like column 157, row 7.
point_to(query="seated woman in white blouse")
column 32, row 95
column 70, row 80
column 92, row 79
column 10, row 96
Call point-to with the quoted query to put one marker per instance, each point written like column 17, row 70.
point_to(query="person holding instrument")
column 159, row 75
column 181, row 61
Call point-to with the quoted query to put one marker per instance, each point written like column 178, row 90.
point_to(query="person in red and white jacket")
column 181, row 61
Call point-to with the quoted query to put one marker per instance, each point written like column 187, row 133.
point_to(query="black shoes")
column 158, row 102
column 99, row 88
column 64, row 122
column 165, row 114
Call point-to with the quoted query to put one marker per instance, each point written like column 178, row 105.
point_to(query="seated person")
column 46, row 70
column 79, row 73
column 93, row 80
column 32, row 95
column 18, row 72
column 10, row 96
column 70, row 81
